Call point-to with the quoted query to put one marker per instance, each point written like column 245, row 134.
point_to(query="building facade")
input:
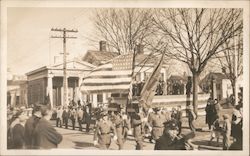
column 47, row 82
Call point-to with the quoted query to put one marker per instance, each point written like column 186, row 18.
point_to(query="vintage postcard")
column 130, row 77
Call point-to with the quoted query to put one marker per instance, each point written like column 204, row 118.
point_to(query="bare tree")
column 196, row 35
column 231, row 60
column 123, row 28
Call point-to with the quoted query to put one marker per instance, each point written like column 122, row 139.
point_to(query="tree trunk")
column 233, row 89
column 195, row 92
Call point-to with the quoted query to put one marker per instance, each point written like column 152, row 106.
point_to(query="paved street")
column 82, row 140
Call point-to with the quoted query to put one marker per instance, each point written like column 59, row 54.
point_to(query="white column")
column 94, row 102
column 62, row 96
column 50, row 89
column 185, row 88
column 12, row 101
column 104, row 98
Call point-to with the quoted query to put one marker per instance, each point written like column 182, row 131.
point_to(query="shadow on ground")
column 81, row 144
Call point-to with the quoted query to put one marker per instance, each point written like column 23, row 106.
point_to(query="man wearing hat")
column 30, row 126
column 137, row 124
column 169, row 140
column 45, row 135
column 103, row 131
column 119, row 124
column 156, row 120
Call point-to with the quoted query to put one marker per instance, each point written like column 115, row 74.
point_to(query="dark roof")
column 216, row 76
column 98, row 57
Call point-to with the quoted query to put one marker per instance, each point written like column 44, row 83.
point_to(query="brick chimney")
column 139, row 49
column 102, row 45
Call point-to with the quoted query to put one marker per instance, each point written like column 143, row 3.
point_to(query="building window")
column 17, row 100
column 99, row 98
column 218, row 86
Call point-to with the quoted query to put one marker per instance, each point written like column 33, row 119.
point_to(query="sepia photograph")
column 124, row 77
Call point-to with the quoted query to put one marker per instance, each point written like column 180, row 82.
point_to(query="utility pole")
column 65, row 80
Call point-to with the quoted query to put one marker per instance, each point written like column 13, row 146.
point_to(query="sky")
column 29, row 45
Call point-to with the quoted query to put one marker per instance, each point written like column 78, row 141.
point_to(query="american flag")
column 114, row 76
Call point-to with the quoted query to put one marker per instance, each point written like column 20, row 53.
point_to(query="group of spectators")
column 222, row 125
column 80, row 115
column 31, row 132
column 138, row 85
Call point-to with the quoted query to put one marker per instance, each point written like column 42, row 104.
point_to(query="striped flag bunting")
column 114, row 76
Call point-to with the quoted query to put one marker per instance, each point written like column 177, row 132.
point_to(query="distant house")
column 223, row 85
column 113, row 78
column 17, row 91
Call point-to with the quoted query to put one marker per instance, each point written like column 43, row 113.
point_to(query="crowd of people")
column 159, row 125
column 31, row 132
column 221, row 125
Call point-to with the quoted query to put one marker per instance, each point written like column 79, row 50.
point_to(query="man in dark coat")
column 210, row 113
column 87, row 115
column 45, row 135
column 18, row 133
column 65, row 116
column 169, row 140
column 30, row 126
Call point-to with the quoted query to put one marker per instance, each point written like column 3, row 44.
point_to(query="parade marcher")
column 30, row 126
column 59, row 116
column 216, row 130
column 103, row 131
column 73, row 117
column 156, row 121
column 210, row 113
column 136, row 124
column 65, row 117
column 45, row 135
column 170, row 140
column 179, row 118
column 118, row 123
column 126, row 125
column 226, row 131
column 80, row 118
column 191, row 117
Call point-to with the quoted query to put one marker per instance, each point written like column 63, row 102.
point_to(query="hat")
column 103, row 113
column 156, row 109
column 172, row 124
